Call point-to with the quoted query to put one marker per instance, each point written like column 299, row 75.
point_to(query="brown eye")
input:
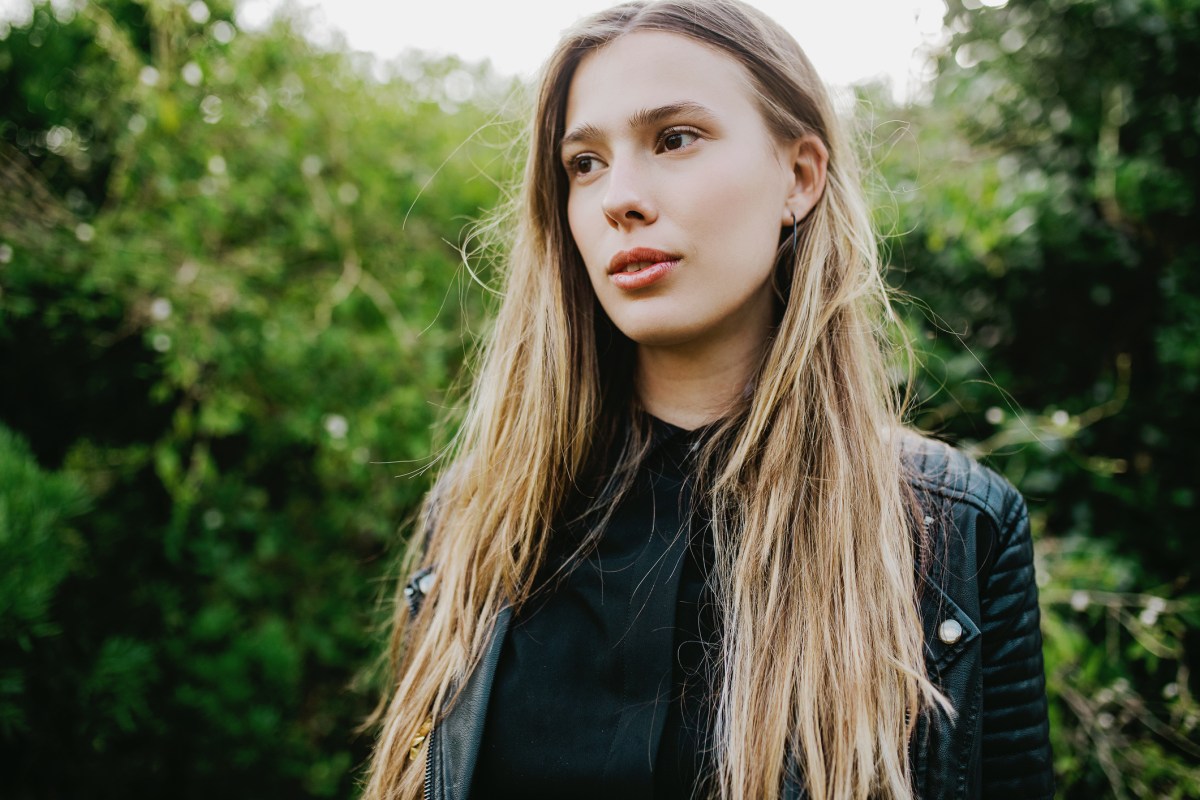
column 583, row 165
column 677, row 140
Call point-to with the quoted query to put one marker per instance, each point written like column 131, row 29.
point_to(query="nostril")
column 632, row 214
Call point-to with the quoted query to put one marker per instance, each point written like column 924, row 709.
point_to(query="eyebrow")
column 643, row 118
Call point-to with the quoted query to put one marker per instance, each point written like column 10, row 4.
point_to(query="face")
column 678, row 191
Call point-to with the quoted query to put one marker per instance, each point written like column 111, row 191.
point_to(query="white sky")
column 847, row 40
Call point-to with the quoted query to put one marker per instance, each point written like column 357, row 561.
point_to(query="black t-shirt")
column 602, row 689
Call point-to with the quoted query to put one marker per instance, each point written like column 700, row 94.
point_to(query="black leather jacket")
column 978, row 602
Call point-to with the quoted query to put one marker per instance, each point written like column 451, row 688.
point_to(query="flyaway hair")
column 820, row 668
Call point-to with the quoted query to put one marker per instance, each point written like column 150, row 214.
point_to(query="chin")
column 659, row 332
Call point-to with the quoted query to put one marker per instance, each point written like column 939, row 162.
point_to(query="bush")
column 229, row 266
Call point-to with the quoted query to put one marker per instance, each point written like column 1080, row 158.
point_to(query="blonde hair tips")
column 820, row 663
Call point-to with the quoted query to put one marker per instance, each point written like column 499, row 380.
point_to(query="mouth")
column 638, row 259
column 640, row 268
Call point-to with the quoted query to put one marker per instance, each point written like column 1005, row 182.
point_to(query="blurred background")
column 233, row 308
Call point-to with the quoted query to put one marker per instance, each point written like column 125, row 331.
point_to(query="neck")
column 694, row 384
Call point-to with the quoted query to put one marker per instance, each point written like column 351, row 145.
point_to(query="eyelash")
column 669, row 132
column 573, row 165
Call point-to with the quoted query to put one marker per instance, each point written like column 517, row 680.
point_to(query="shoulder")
column 979, row 605
column 940, row 474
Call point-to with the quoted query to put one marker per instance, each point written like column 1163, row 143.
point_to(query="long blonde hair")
column 820, row 664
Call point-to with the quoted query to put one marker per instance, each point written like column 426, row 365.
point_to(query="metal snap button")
column 950, row 631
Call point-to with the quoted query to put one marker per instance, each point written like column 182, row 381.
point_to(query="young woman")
column 684, row 547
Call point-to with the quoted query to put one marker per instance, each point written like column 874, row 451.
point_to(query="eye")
column 677, row 139
column 583, row 164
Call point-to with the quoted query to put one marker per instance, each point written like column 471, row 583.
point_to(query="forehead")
column 648, row 69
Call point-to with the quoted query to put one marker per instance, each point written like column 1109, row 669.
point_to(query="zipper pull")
column 414, row 747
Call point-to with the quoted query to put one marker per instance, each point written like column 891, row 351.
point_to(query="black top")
column 1001, row 720
column 601, row 689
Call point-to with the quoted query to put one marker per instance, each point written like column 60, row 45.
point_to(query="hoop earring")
column 794, row 226
column 781, row 281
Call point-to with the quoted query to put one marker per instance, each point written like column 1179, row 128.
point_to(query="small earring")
column 794, row 226
column 782, row 278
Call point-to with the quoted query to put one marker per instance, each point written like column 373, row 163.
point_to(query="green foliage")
column 38, row 549
column 236, row 340
column 1127, row 720
column 1043, row 201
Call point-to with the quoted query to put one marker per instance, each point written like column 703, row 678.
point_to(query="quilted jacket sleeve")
column 1016, row 737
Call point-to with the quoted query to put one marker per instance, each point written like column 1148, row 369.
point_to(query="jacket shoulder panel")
column 936, row 468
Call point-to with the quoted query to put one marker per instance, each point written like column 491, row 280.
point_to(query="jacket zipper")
column 429, row 763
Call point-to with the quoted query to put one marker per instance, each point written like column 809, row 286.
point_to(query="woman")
column 684, row 547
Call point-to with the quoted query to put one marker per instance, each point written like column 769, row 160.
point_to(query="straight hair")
column 820, row 668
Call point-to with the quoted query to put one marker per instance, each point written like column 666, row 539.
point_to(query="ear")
column 808, row 158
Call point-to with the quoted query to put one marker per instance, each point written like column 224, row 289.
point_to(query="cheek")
column 758, row 190
column 576, row 220
column 741, row 182
column 587, row 229
column 573, row 222
column 742, row 209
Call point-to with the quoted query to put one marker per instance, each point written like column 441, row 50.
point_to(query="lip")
column 658, row 264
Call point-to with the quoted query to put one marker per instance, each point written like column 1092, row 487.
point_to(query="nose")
column 627, row 201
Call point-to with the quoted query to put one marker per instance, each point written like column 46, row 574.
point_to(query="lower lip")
column 643, row 277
